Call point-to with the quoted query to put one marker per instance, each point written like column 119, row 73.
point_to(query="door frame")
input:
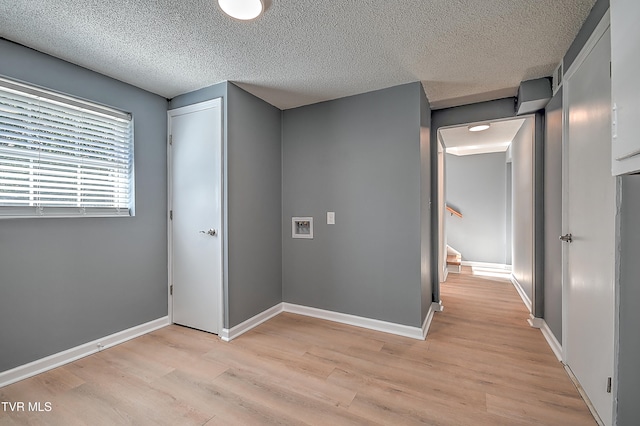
column 466, row 118
column 530, row 117
column 443, row 269
column 213, row 103
column 594, row 38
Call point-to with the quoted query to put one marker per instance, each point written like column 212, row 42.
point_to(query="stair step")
column 453, row 259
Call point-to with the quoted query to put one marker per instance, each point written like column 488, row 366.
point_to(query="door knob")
column 567, row 238
column 211, row 232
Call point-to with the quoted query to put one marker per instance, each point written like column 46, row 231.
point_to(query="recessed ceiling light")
column 479, row 127
column 244, row 10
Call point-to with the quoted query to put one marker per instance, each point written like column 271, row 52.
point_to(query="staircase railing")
column 453, row 211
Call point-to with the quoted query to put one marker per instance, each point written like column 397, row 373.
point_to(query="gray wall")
column 476, row 185
column 428, row 250
column 360, row 158
column 597, row 12
column 553, row 216
column 202, row 95
column 481, row 111
column 538, row 204
column 522, row 196
column 253, row 203
column 65, row 282
column 254, row 200
column 629, row 295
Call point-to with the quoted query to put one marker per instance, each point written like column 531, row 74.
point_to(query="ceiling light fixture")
column 244, row 10
column 479, row 127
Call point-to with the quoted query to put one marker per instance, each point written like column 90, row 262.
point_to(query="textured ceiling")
column 305, row 51
column 460, row 141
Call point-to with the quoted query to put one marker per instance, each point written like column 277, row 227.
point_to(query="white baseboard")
column 56, row 360
column 535, row 322
column 487, row 265
column 556, row 347
column 521, row 292
column 372, row 324
column 433, row 308
column 229, row 334
column 454, row 269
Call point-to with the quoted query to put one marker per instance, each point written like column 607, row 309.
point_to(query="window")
column 61, row 156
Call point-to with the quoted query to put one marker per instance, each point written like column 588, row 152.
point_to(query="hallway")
column 483, row 331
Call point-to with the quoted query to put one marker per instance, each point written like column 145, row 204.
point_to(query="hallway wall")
column 553, row 216
column 522, row 155
column 629, row 294
column 476, row 185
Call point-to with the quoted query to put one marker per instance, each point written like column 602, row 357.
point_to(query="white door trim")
column 442, row 203
column 217, row 102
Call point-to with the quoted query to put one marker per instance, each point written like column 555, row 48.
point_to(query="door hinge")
column 171, row 289
column 170, row 139
column 608, row 384
column 610, row 70
column 170, row 214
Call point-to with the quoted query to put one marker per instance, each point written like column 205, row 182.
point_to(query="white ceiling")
column 460, row 141
column 306, row 51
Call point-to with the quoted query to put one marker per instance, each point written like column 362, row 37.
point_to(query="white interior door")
column 196, row 203
column 589, row 216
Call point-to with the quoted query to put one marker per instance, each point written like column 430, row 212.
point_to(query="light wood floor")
column 480, row 365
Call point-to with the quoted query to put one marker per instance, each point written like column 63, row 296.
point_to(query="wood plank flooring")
column 480, row 365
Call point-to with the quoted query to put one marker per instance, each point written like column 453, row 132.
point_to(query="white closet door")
column 589, row 204
column 196, row 202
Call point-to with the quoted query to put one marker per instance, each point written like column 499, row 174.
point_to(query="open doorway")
column 488, row 193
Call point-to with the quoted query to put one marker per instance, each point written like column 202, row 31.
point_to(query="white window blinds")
column 61, row 156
